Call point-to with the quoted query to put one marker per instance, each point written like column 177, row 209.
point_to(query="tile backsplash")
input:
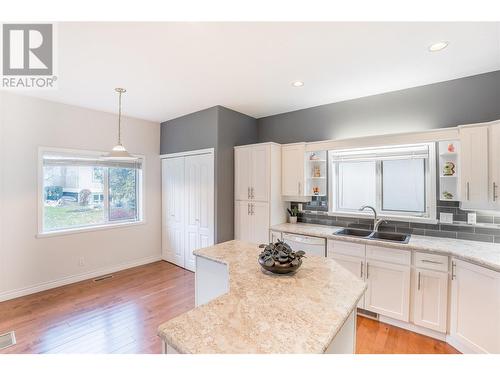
column 486, row 230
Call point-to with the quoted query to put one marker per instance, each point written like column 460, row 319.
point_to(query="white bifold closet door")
column 188, row 207
column 199, row 207
column 173, row 210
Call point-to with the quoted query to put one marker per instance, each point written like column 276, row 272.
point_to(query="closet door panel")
column 192, row 208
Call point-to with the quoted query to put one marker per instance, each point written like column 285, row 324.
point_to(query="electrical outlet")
column 81, row 261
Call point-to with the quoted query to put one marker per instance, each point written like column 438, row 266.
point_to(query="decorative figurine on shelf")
column 447, row 195
column 313, row 156
column 317, row 172
column 449, row 169
column 451, row 147
column 316, row 190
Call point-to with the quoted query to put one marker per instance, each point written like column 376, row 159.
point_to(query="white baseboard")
column 4, row 296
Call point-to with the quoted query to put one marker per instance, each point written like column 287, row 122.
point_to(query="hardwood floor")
column 121, row 315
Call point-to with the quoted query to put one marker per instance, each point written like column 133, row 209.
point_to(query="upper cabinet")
column 480, row 166
column 292, row 169
column 474, row 162
column 494, row 161
column 252, row 174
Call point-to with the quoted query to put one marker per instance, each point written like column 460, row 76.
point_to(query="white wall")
column 28, row 263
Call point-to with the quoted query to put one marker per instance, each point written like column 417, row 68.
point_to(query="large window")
column 397, row 181
column 80, row 190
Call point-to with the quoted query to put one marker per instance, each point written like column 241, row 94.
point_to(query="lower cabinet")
column 388, row 291
column 475, row 308
column 355, row 265
column 252, row 221
column 430, row 299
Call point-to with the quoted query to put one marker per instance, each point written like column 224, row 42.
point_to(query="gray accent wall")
column 451, row 103
column 222, row 129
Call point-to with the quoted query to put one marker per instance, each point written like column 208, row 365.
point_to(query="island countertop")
column 263, row 313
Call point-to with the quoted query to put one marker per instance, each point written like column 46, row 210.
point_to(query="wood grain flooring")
column 121, row 315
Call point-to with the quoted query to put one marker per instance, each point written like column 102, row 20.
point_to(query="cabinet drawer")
column 433, row 262
column 390, row 255
column 346, row 248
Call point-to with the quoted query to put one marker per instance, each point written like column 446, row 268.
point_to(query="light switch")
column 471, row 218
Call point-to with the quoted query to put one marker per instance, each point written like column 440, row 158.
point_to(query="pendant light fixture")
column 119, row 152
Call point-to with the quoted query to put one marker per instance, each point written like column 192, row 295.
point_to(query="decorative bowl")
column 279, row 258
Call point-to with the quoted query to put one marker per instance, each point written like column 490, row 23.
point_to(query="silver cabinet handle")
column 299, row 188
column 361, row 273
column 252, row 212
column 495, row 196
column 453, row 265
column 248, row 192
column 252, row 193
column 367, row 270
column 467, row 186
column 418, row 287
column 248, row 211
column 431, row 261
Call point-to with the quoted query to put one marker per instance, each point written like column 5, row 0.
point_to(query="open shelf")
column 449, row 160
column 316, row 172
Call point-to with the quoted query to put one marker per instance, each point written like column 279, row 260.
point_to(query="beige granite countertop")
column 263, row 313
column 481, row 253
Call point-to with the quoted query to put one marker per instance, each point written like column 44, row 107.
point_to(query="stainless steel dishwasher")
column 311, row 245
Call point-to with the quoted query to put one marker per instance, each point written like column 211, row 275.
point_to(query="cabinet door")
column 355, row 266
column 494, row 140
column 242, row 173
column 260, row 169
column 274, row 236
column 173, row 213
column 259, row 217
column 199, row 205
column 388, row 290
column 475, row 308
column 292, row 169
column 242, row 230
column 192, row 210
column 474, row 165
column 430, row 299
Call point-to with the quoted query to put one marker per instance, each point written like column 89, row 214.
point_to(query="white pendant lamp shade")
column 119, row 152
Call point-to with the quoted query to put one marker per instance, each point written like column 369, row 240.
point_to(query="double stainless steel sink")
column 374, row 235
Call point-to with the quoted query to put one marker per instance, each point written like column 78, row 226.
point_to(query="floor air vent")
column 103, row 278
column 7, row 339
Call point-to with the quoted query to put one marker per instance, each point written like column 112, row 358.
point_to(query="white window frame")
column 430, row 190
column 141, row 211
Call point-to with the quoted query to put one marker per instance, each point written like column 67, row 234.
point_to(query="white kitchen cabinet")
column 430, row 299
column 274, row 236
column 475, row 308
column 353, row 264
column 188, row 206
column 388, row 291
column 242, row 175
column 474, row 167
column 252, row 173
column 494, row 162
column 258, row 203
column 293, row 169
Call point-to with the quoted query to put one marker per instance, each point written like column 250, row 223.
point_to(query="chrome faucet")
column 376, row 220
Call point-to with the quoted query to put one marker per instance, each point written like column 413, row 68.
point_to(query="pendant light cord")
column 119, row 117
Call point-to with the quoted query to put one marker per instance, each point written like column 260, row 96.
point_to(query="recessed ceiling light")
column 439, row 46
column 297, row 83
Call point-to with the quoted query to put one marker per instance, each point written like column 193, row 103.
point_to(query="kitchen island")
column 241, row 309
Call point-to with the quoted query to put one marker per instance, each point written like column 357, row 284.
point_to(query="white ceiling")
column 171, row 69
